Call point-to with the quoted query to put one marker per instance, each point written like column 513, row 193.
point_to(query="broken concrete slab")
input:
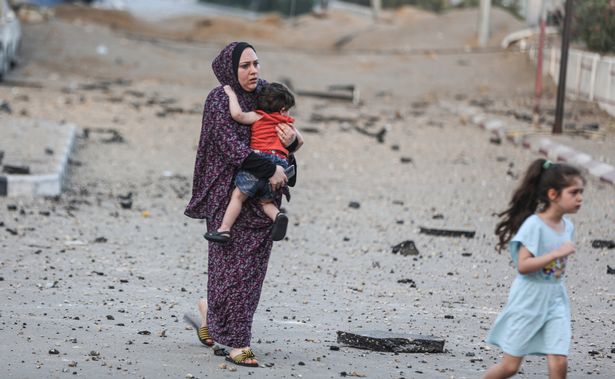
column 46, row 172
column 392, row 342
column 447, row 232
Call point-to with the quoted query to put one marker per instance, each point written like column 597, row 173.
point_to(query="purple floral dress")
column 236, row 270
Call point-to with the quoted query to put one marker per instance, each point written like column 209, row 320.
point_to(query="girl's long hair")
column 532, row 193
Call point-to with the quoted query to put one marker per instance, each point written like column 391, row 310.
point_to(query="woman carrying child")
column 536, row 319
column 236, row 270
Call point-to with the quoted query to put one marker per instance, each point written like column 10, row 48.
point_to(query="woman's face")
column 247, row 72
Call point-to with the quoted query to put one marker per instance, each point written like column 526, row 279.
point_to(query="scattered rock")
column 379, row 135
column 610, row 270
column 144, row 332
column 16, row 170
column 54, row 351
column 354, row 205
column 334, row 348
column 405, row 160
column 100, row 240
column 126, row 200
column 5, row 107
column 407, row 281
column 603, row 244
column 310, row 130
column 405, row 248
column 108, row 135
column 109, row 317
column 391, row 342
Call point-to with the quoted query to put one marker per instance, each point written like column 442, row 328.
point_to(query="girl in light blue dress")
column 536, row 319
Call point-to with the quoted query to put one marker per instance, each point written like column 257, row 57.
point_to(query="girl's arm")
column 246, row 118
column 528, row 263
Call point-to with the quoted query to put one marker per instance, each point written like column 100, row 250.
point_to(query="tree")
column 594, row 23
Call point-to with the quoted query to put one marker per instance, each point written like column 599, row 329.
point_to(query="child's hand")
column 228, row 90
column 565, row 250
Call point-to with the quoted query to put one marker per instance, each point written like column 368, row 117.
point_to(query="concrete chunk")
column 392, row 342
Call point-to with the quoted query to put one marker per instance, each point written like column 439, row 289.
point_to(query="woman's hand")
column 278, row 179
column 286, row 133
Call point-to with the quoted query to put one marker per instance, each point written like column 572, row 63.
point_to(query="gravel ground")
column 106, row 287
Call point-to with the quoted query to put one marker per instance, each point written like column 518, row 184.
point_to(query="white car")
column 10, row 37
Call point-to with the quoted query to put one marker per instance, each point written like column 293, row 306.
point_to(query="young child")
column 273, row 103
column 536, row 319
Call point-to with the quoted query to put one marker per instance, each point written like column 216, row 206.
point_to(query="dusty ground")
column 84, row 276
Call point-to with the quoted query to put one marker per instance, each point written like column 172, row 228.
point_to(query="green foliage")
column 280, row 6
column 594, row 23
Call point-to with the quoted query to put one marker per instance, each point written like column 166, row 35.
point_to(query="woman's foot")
column 203, row 312
column 243, row 357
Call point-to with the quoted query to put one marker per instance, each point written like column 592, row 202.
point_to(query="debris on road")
column 447, row 232
column 392, row 342
column 405, row 248
column 603, row 244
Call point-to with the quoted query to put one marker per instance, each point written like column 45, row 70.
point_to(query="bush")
column 594, row 23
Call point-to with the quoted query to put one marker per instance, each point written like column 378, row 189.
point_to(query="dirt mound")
column 112, row 18
column 407, row 27
column 410, row 13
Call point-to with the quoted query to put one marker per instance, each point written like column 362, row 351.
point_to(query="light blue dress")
column 536, row 319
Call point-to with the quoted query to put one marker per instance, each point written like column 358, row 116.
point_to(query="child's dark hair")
column 540, row 177
column 274, row 97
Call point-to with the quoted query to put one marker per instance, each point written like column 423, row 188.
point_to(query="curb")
column 44, row 184
column 540, row 144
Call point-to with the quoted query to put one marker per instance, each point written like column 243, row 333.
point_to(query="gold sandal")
column 241, row 358
column 201, row 332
